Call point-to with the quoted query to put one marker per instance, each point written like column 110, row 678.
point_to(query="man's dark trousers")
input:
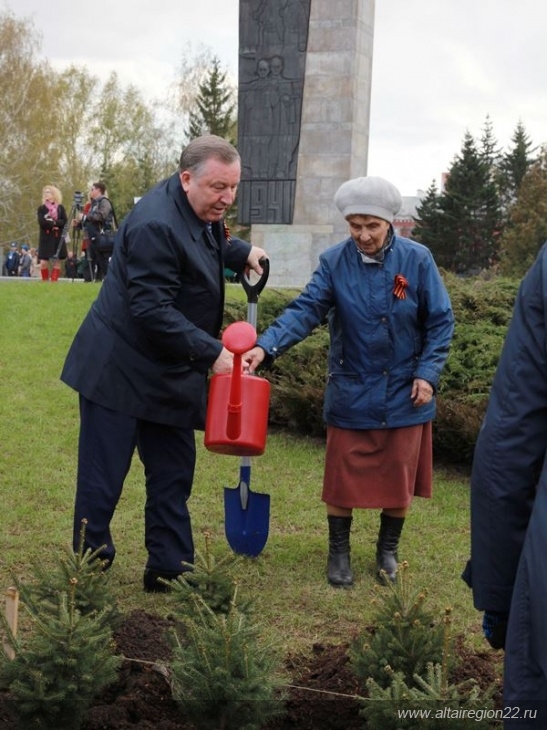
column 106, row 447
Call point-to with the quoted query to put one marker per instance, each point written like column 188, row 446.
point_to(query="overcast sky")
column 440, row 66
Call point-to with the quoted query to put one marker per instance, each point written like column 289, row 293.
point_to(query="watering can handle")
column 253, row 290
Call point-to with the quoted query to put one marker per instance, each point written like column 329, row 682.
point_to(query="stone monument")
column 305, row 69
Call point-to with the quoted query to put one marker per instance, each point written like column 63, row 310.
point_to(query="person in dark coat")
column 390, row 325
column 98, row 217
column 508, row 567
column 25, row 264
column 52, row 219
column 141, row 357
column 13, row 259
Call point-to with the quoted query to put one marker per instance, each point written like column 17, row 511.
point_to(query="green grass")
column 38, row 437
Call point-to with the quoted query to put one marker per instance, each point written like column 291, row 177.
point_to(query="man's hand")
column 254, row 257
column 252, row 359
column 224, row 363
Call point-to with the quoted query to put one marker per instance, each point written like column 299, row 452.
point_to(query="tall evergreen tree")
column 470, row 212
column 526, row 231
column 514, row 165
column 428, row 229
column 490, row 150
column 215, row 106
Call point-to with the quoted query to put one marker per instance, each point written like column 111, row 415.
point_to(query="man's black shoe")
column 153, row 581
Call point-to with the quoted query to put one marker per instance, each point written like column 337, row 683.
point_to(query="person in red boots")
column 52, row 218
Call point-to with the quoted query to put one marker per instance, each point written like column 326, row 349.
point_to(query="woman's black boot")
column 338, row 567
column 386, row 547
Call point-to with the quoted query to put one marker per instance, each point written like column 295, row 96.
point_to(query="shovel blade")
column 247, row 527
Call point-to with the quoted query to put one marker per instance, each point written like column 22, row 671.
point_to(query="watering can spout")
column 235, row 405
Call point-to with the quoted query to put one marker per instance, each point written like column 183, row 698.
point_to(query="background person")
column 25, row 263
column 390, row 323
column 35, row 261
column 99, row 216
column 507, row 570
column 71, row 266
column 88, row 272
column 140, row 359
column 86, row 267
column 11, row 262
column 52, row 219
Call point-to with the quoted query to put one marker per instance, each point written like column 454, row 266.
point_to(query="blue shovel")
column 247, row 513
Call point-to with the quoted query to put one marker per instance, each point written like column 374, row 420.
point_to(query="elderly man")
column 140, row 359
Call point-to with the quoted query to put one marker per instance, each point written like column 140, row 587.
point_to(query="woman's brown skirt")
column 381, row 469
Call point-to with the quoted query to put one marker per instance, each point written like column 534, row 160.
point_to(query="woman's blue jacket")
column 379, row 343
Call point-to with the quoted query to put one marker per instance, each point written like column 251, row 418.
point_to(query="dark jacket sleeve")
column 236, row 254
column 511, row 448
column 45, row 222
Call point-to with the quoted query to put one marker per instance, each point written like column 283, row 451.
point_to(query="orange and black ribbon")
column 226, row 232
column 400, row 286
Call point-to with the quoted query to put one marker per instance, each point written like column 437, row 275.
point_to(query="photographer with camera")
column 52, row 219
column 99, row 218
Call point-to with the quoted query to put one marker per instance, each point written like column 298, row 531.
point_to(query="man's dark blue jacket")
column 149, row 339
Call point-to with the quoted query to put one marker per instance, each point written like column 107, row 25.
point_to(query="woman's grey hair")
column 201, row 149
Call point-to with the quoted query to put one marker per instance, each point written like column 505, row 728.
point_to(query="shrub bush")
column 428, row 704
column 407, row 664
column 482, row 309
column 68, row 656
column 221, row 675
column 406, row 636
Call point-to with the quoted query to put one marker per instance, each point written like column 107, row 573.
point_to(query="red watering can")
column 237, row 409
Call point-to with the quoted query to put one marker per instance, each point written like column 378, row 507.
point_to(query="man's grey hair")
column 201, row 149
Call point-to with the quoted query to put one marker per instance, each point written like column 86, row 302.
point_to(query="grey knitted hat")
column 368, row 196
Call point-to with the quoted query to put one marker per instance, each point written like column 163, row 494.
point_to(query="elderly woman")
column 390, row 323
column 52, row 219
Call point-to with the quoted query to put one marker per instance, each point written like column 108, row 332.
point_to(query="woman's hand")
column 422, row 392
column 252, row 359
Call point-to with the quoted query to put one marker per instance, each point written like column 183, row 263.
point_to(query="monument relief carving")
column 272, row 60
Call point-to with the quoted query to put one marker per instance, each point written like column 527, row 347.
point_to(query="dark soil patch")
column 321, row 696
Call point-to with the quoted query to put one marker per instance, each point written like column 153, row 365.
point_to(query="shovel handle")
column 244, row 482
column 253, row 290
